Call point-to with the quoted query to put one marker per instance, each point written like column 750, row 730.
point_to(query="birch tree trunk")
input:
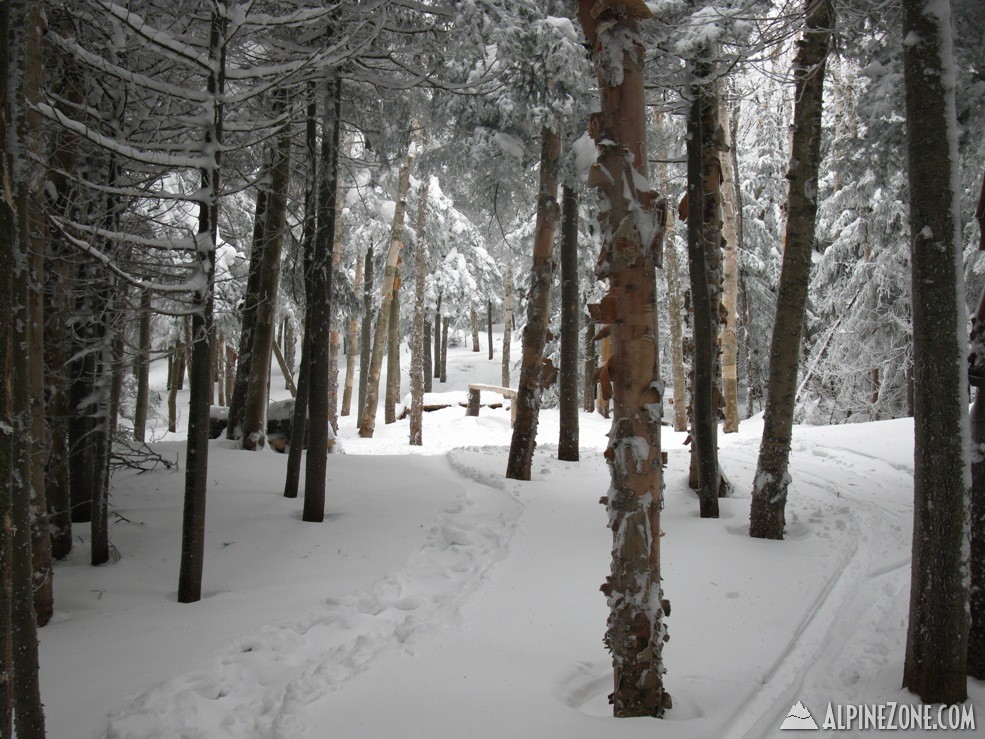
column 367, row 422
column 769, row 495
column 535, row 331
column 507, row 323
column 937, row 632
column 632, row 220
column 418, row 340
column 567, row 447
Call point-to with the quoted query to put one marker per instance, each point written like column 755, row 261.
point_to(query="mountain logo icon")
column 798, row 718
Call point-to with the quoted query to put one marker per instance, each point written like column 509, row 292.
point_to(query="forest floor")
column 439, row 599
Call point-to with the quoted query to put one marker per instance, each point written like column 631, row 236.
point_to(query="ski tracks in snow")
column 843, row 639
column 260, row 684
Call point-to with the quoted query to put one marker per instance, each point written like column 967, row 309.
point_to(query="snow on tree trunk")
column 418, row 340
column 254, row 418
column 367, row 423
column 632, row 221
column 538, row 299
column 772, row 479
column 567, row 447
column 507, row 323
column 318, row 329
column 200, row 377
column 730, row 293
column 936, row 640
column 351, row 343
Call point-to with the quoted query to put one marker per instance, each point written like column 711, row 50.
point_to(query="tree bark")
column 730, row 293
column 632, row 220
column 507, row 323
column 428, row 365
column 567, row 447
column 475, row 330
column 393, row 355
column 203, row 334
column 335, row 334
column 535, row 331
column 318, row 327
column 143, row 367
column 489, row 333
column 437, row 340
column 418, row 340
column 254, row 417
column 676, row 327
column 590, row 368
column 389, row 285
column 976, row 562
column 772, row 480
column 937, row 634
column 23, row 187
column 444, row 350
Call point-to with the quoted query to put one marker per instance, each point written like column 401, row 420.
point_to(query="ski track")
column 259, row 685
column 841, row 640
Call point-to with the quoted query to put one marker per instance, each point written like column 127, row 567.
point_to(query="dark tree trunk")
column 203, row 334
column 976, row 564
column 632, row 221
column 366, row 338
column 254, row 409
column 489, row 338
column 437, row 340
column 143, row 367
column 299, row 419
column 428, row 366
column 475, row 329
column 567, row 447
column 318, row 329
column 507, row 324
column 444, row 350
column 937, row 634
column 772, row 480
column 535, row 331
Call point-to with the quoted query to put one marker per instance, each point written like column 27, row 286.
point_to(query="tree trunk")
column 418, row 340
column 676, row 327
column 318, row 328
column 428, row 366
column 730, row 246
column 299, row 420
column 143, row 367
column 489, row 336
column 200, row 378
column 507, row 323
column 976, row 562
column 535, row 331
column 605, row 388
column 352, row 342
column 334, row 335
column 251, row 299
column 389, row 285
column 254, row 418
column 772, row 480
column 175, row 371
column 475, row 330
column 937, row 634
column 219, row 368
column 437, row 340
column 23, row 189
column 393, row 355
column 9, row 444
column 590, row 368
column 632, row 222
column 444, row 350
column 366, row 339
column 567, row 447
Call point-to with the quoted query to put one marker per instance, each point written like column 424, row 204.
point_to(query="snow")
column 439, row 599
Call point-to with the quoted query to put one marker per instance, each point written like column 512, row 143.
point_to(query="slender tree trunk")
column 444, row 350
column 730, row 245
column 219, row 368
column 203, row 334
column 507, row 323
column 591, row 367
column 676, row 327
column 632, row 224
column 567, row 447
column 254, row 418
column 389, row 285
column 418, row 340
column 393, row 355
column 937, row 633
column 24, row 192
column 299, row 420
column 366, row 339
column 428, row 366
column 535, row 331
column 605, row 387
column 352, row 342
column 333, row 343
column 437, row 340
column 318, row 328
column 174, row 373
column 772, row 480
column 489, row 333
column 143, row 367
column 475, row 330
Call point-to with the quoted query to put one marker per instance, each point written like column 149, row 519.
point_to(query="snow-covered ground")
column 439, row 599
